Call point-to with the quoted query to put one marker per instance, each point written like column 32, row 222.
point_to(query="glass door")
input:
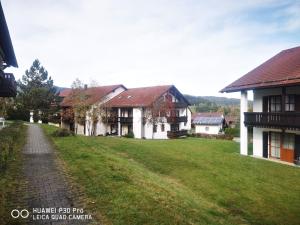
column 275, row 145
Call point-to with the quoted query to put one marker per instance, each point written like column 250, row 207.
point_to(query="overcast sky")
column 199, row 46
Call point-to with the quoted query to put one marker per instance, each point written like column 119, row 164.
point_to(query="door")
column 287, row 148
column 265, row 144
column 275, row 145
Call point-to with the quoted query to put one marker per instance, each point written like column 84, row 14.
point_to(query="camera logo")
column 17, row 213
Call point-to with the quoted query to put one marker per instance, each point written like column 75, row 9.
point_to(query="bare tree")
column 79, row 103
column 159, row 111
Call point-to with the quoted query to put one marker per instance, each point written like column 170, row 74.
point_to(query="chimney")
column 85, row 86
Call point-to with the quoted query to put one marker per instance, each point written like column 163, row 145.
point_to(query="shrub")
column 213, row 136
column 62, row 133
column 10, row 139
column 129, row 135
column 235, row 132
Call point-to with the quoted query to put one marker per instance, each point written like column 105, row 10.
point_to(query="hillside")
column 188, row 181
column 229, row 106
column 213, row 100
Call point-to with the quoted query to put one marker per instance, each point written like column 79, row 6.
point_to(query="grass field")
column 187, row 181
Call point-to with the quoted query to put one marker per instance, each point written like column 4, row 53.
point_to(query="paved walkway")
column 47, row 186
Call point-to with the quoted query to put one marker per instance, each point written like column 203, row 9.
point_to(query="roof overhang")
column 6, row 46
column 264, row 85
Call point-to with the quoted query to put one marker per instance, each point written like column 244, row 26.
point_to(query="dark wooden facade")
column 279, row 111
column 284, row 120
column 8, row 87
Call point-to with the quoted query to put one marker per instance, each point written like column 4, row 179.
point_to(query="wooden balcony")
column 111, row 119
column 176, row 134
column 8, row 85
column 176, row 119
column 126, row 119
column 287, row 120
column 180, row 105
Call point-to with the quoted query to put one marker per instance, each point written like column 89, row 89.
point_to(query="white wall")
column 212, row 129
column 80, row 129
column 159, row 134
column 257, row 142
column 137, row 125
column 188, row 125
column 148, row 131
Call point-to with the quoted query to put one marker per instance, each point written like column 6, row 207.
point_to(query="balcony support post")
column 119, row 122
column 243, row 128
column 283, row 95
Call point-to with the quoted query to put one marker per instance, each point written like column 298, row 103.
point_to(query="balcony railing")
column 176, row 119
column 8, row 85
column 111, row 119
column 126, row 119
column 273, row 120
column 180, row 105
column 176, row 134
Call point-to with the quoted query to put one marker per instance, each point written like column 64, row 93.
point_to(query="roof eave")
column 8, row 49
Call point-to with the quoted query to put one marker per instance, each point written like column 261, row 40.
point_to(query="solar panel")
column 208, row 120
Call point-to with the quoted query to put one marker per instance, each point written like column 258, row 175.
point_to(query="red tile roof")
column 140, row 97
column 65, row 92
column 281, row 70
column 94, row 94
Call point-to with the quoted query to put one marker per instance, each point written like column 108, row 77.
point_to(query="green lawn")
column 187, row 181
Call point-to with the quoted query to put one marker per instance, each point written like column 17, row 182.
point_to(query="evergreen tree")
column 36, row 91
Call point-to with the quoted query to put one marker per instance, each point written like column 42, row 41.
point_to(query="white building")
column 276, row 107
column 208, row 123
column 158, row 112
column 96, row 96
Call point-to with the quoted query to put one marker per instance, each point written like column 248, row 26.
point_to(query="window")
column 174, row 127
column 162, row 127
column 154, row 128
column 206, row 128
column 275, row 145
column 275, row 103
column 290, row 103
column 289, row 141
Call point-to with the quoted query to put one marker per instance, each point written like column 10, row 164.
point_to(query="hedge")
column 11, row 137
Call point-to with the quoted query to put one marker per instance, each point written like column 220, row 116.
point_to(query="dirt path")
column 47, row 186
